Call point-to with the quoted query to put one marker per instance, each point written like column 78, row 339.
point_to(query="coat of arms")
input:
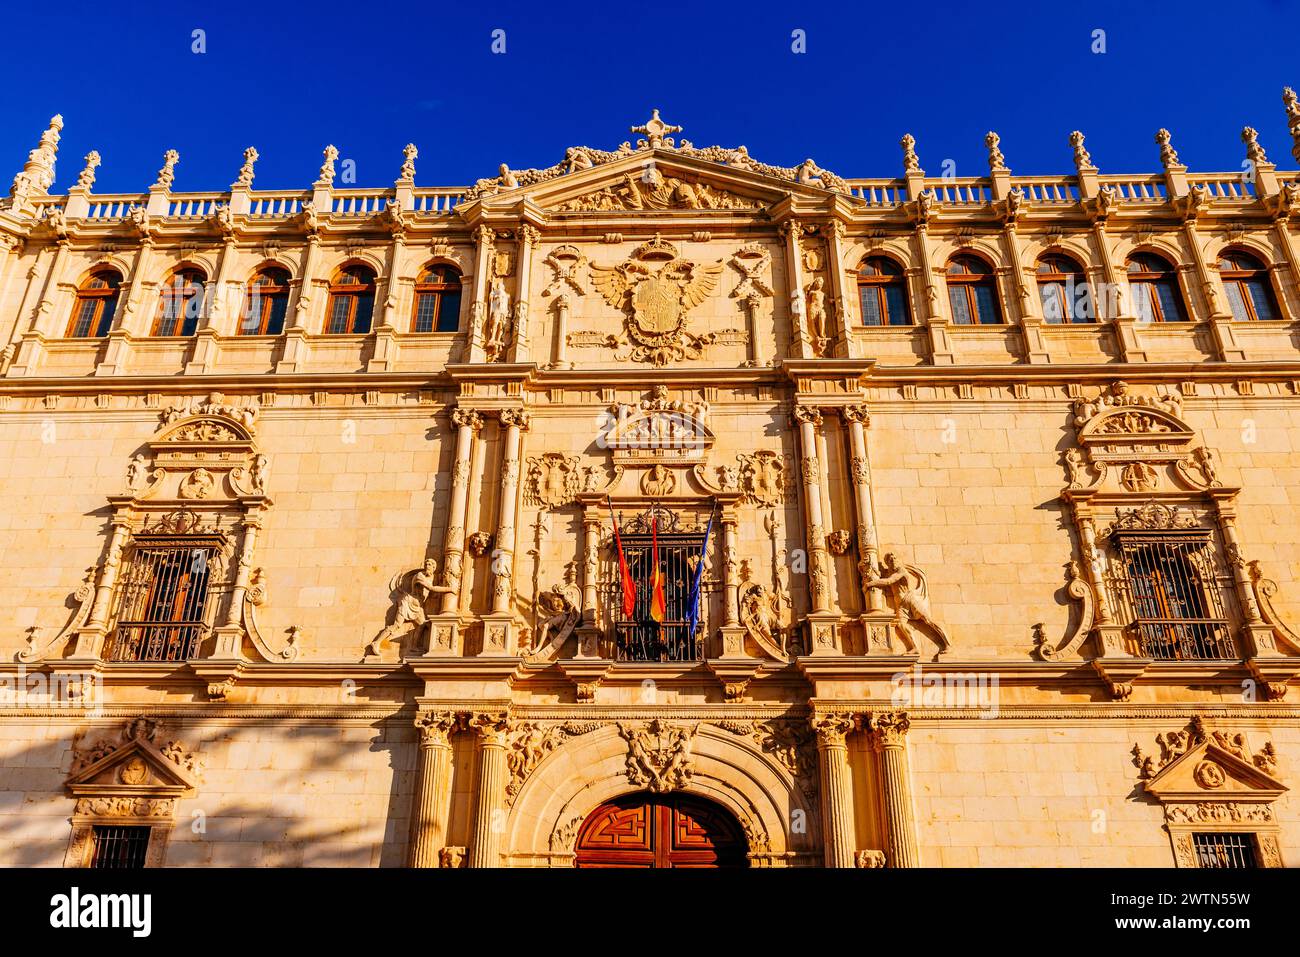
column 656, row 288
column 658, row 755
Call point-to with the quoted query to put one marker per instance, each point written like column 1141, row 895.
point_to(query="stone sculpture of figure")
column 135, row 473
column 414, row 590
column 809, row 173
column 1204, row 459
column 816, row 309
column 498, row 317
column 760, row 617
column 912, row 604
column 259, row 471
column 508, row 178
column 1074, row 467
column 576, row 159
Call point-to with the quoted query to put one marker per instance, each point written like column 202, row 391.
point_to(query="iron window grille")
column 119, row 847
column 1170, row 592
column 1234, row 851
column 165, row 601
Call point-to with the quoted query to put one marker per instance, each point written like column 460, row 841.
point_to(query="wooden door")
column 644, row 830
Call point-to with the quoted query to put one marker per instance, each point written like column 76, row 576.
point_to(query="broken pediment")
column 1197, row 764
column 141, row 763
column 657, row 429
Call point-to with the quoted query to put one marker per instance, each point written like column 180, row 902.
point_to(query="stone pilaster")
column 857, row 419
column 889, row 738
column 468, row 424
column 433, row 787
column 800, row 346
column 485, row 843
column 31, row 349
column 206, row 347
column 822, row 621
column 498, row 637
column 832, row 730
column 528, row 239
column 484, row 243
column 843, row 292
column 294, row 350
column 560, row 351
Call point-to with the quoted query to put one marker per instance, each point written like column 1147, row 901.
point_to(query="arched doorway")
column 660, row 830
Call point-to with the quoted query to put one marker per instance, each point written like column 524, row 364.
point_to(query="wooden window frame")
column 966, row 283
column 352, row 293
column 101, row 296
column 878, row 283
column 437, row 290
column 1241, row 278
column 1148, row 281
column 171, row 292
column 265, row 301
column 1061, row 280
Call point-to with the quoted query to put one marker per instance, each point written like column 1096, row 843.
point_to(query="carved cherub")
column 913, row 605
column 1075, row 467
column 816, row 309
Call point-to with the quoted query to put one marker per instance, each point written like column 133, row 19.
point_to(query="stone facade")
column 992, row 593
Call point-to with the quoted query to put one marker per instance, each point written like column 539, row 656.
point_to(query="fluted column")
column 468, row 423
column 809, row 419
column 503, row 559
column 731, row 577
column 528, row 238
column 433, row 787
column 485, row 240
column 590, row 564
column 485, row 843
column 799, row 345
column 889, row 738
column 843, row 291
column 836, row 800
column 857, row 418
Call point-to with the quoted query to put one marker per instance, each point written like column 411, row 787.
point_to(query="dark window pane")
column 275, row 322
column 85, row 315
column 339, row 314
column 425, row 305
column 106, row 316
column 1261, row 294
column 987, row 305
column 365, row 308
column 449, row 311
column 1171, row 302
column 896, row 305
column 1238, row 305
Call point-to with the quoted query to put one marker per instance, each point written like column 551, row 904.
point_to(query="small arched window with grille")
column 180, row 304
column 1156, row 296
column 352, row 301
column 882, row 291
column 266, row 304
column 1064, row 291
column 1250, row 292
column 973, row 292
column 92, row 313
column 437, row 299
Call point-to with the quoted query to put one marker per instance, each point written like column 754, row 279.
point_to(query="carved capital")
column 888, row 728
column 833, row 727
column 436, row 727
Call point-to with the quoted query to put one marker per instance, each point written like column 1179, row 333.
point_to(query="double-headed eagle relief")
column 656, row 288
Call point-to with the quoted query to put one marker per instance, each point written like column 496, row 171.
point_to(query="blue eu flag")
column 693, row 603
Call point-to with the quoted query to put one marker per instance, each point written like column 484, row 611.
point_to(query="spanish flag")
column 658, row 603
column 625, row 582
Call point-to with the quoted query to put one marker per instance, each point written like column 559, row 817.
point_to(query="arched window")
column 1250, row 293
column 181, row 304
column 437, row 300
column 352, row 301
column 267, row 303
column 1064, row 291
column 92, row 313
column 1156, row 297
column 972, row 292
column 883, row 293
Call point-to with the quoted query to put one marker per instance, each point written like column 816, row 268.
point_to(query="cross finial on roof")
column 655, row 129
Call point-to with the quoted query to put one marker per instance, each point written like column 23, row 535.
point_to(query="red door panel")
column 643, row 830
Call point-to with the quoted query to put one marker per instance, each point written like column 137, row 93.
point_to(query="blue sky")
column 372, row 76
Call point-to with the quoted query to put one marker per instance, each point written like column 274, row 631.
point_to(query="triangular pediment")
column 655, row 181
column 1208, row 772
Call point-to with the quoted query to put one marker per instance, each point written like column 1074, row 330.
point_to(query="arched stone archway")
column 725, row 767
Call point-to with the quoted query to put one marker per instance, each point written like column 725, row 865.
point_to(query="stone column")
column 590, row 563
column 129, row 322
column 468, row 423
column 857, row 418
column 205, row 349
column 836, row 800
column 1123, row 320
column 731, row 579
column 31, row 348
column 936, row 321
column 385, row 331
column 843, row 292
column 90, row 637
column 230, row 635
column 528, row 237
column 433, row 787
column 485, row 843
column 561, row 347
column 485, row 240
column 1220, row 315
column 889, row 737
column 1031, row 318
column 499, row 625
column 758, row 358
column 800, row 346
column 810, row 468
column 294, row 352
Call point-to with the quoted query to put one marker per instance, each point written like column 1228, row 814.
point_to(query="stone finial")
column 245, row 180
column 910, row 162
column 167, row 175
column 407, row 177
column 1292, row 119
column 1168, row 157
column 1082, row 158
column 86, row 179
column 38, row 172
column 655, row 131
column 997, row 162
column 1254, row 152
column 327, row 167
